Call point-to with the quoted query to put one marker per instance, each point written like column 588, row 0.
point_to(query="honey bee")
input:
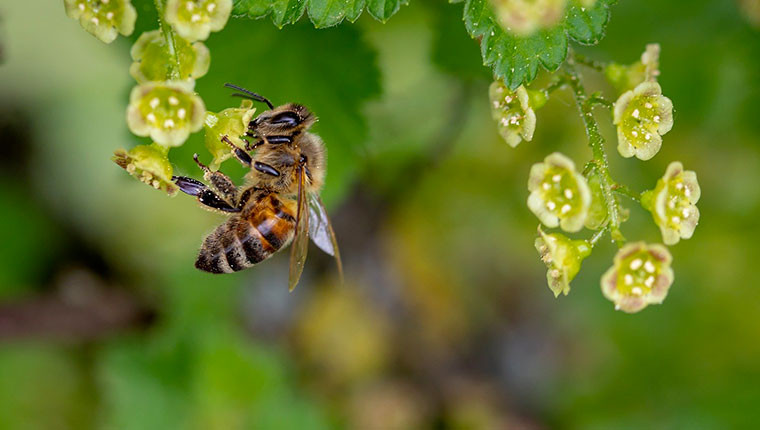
column 279, row 206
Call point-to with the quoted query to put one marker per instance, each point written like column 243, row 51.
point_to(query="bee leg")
column 241, row 155
column 220, row 183
column 266, row 168
column 189, row 185
column 205, row 195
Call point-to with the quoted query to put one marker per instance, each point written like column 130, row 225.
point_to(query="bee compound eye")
column 286, row 118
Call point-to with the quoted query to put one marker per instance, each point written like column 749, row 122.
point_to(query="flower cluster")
column 640, row 276
column 673, row 203
column 512, row 111
column 559, row 196
column 525, row 17
column 163, row 105
column 104, row 19
column 562, row 197
column 232, row 124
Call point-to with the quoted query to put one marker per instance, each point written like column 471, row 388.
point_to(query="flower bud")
column 232, row 123
column 563, row 258
column 149, row 164
column 513, row 113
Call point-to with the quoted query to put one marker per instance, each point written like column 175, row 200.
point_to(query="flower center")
column 678, row 205
column 638, row 274
column 559, row 191
column 641, row 120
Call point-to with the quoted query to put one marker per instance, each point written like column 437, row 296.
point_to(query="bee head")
column 285, row 119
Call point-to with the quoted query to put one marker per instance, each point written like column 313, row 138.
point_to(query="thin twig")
column 598, row 235
column 627, row 192
column 585, row 61
column 596, row 142
column 168, row 34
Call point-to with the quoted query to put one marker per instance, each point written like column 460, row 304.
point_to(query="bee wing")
column 301, row 239
column 321, row 231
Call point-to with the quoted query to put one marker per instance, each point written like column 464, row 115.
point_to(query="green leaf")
column 327, row 13
column 282, row 11
column 516, row 59
column 322, row 13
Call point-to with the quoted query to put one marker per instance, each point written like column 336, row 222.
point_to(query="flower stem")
column 168, row 34
column 554, row 85
column 596, row 142
column 597, row 235
column 627, row 192
column 592, row 64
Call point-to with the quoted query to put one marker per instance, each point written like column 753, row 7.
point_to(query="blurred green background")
column 445, row 320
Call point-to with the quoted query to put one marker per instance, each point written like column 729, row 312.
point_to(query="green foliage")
column 43, row 387
column 21, row 265
column 322, row 13
column 212, row 378
column 515, row 60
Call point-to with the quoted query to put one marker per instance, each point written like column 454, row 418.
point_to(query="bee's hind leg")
column 225, row 189
column 206, row 196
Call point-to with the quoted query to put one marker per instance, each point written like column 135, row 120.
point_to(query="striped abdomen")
column 265, row 226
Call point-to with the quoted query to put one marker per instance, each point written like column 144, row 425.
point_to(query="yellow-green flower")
column 562, row 257
column 525, row 17
column 642, row 116
column 232, row 123
column 673, row 203
column 153, row 61
column 149, row 164
column 104, row 19
column 195, row 19
column 512, row 112
column 627, row 77
column 640, row 276
column 559, row 196
column 166, row 111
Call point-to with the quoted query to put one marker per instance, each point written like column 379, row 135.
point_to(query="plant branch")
column 598, row 235
column 596, row 142
column 168, row 34
column 592, row 64
column 627, row 192
column 556, row 84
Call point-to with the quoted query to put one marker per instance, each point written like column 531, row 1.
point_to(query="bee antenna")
column 250, row 95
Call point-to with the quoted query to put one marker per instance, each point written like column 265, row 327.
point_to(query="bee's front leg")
column 243, row 157
column 220, row 183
